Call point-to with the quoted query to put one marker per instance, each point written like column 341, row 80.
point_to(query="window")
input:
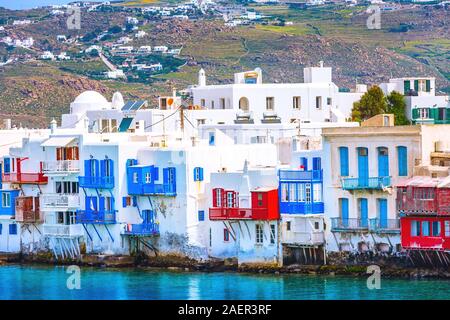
column 198, row 174
column 425, row 228
column 200, row 122
column 329, row 101
column 343, row 155
column 231, row 199
column 296, row 103
column 222, row 103
column 270, row 103
column 212, row 104
column 318, row 102
column 210, row 237
column 259, row 233
column 201, row 215
column 126, row 202
column 436, row 228
column 308, row 192
column 288, row 226
column 424, row 113
column 292, row 192
column 317, row 192
column 226, row 235
column 107, row 168
column 304, row 163
column 135, row 177
column 284, row 192
column 272, row 234
column 260, row 199
column 402, row 154
column 446, row 226
column 217, row 197
column 386, row 121
column 202, row 102
column 148, row 177
column 13, row 228
column 301, row 192
column 244, row 104
column 6, row 200
column 72, row 217
column 415, row 228
column 1, row 227
column 211, row 139
column 316, row 225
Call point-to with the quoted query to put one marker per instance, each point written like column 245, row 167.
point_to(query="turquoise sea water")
column 37, row 282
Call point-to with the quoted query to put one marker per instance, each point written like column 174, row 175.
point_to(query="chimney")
column 201, row 78
column 53, row 125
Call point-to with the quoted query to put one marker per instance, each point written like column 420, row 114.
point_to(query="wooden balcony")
column 25, row 178
column 27, row 210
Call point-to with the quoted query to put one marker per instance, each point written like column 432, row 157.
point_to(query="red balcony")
column 25, row 178
column 242, row 214
column 27, row 210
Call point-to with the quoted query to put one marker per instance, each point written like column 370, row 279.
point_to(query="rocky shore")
column 338, row 265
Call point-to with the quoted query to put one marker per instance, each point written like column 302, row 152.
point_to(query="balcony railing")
column 298, row 175
column 153, row 189
column 96, row 217
column 59, row 201
column 96, row 182
column 366, row 183
column 25, row 178
column 384, row 225
column 143, row 229
column 27, row 210
column 301, row 208
column 240, row 214
column 62, row 230
column 349, row 225
column 61, row 166
column 304, row 237
column 422, row 206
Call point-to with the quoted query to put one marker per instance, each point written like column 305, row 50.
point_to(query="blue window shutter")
column 97, row 168
column 201, row 215
column 166, row 175
column 87, row 203
column 111, row 167
column 102, row 203
column 13, row 228
column 155, row 174
column 402, row 161
column 1, row 227
column 124, row 202
column 304, row 163
column 343, row 157
column 344, row 211
column 383, row 164
column 113, row 203
column 201, row 174
column 134, row 201
column 383, row 214
column 195, row 173
column 7, row 163
column 364, row 214
column 87, row 168
column 317, row 163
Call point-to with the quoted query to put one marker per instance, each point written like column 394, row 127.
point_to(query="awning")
column 57, row 142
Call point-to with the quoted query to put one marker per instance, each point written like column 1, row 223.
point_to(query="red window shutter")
column 75, row 153
column 58, row 154
column 235, row 199
column 224, row 198
column 69, row 153
column 214, row 192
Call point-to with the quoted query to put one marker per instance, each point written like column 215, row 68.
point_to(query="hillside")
column 411, row 42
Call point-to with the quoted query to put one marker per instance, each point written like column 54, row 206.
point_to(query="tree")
column 373, row 102
column 396, row 105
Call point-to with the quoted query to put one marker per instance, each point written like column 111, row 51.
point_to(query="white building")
column 47, row 55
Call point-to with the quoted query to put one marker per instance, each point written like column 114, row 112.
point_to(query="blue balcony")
column 96, row 217
column 384, row 226
column 154, row 189
column 301, row 208
column 372, row 183
column 142, row 230
column 298, row 175
column 96, row 182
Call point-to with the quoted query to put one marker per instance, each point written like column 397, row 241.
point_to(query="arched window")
column 243, row 104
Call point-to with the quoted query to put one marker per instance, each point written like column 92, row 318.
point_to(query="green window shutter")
column 415, row 113
column 416, row 85
column 434, row 113
column 428, row 85
column 406, row 86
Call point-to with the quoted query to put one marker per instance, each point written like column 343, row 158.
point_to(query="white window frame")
column 297, row 102
column 259, row 234
column 317, row 192
column 6, row 200
column 135, row 177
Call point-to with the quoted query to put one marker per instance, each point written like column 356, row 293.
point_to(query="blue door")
column 344, row 212
column 363, row 167
column 363, row 212
column 383, row 162
column 383, row 214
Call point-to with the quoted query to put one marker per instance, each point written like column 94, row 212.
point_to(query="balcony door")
column 383, row 213
column 383, row 162
column 363, row 212
column 363, row 167
column 343, row 209
column 66, row 187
